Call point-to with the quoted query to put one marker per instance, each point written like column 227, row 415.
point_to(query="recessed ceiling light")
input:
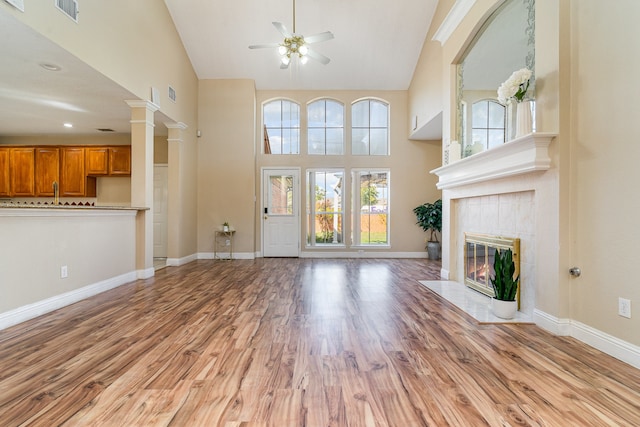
column 50, row 67
column 68, row 125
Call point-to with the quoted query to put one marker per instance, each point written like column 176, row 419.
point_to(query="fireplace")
column 479, row 253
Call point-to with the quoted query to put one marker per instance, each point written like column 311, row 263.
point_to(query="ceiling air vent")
column 69, row 7
column 105, row 130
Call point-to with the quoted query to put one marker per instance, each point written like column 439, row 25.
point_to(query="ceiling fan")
column 296, row 44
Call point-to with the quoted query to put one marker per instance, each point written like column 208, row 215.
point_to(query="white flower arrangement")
column 515, row 87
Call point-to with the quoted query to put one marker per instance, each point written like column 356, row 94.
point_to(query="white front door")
column 160, row 217
column 280, row 212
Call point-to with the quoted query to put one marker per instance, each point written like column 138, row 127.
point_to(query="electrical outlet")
column 227, row 242
column 64, row 272
column 624, row 307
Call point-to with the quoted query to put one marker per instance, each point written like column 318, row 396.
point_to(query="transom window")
column 281, row 127
column 325, row 203
column 370, row 128
column 325, row 127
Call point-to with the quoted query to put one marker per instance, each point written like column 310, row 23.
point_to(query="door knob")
column 266, row 217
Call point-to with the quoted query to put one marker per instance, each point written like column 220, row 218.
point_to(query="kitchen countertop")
column 10, row 205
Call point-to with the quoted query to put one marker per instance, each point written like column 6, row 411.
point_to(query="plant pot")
column 433, row 250
column 225, row 228
column 504, row 309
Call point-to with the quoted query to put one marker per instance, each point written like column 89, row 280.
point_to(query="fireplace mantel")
column 523, row 155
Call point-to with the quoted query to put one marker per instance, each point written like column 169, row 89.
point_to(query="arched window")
column 488, row 120
column 370, row 128
column 325, row 127
column 281, row 120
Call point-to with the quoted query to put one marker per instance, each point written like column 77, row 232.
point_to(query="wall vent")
column 69, row 8
column 172, row 94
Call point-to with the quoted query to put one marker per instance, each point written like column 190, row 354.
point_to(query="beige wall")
column 604, row 163
column 426, row 94
column 409, row 164
column 95, row 246
column 226, row 162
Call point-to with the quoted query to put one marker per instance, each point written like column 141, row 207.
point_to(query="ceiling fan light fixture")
column 304, row 59
column 285, row 60
column 282, row 50
column 303, row 50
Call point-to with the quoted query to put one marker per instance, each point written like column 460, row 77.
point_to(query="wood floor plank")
column 299, row 342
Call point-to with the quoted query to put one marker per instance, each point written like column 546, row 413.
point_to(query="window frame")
column 311, row 212
column 357, row 205
column 371, row 100
column 281, row 128
column 325, row 127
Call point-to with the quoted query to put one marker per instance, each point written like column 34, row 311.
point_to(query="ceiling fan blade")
column 284, row 66
column 320, row 37
column 318, row 57
column 283, row 30
column 262, row 46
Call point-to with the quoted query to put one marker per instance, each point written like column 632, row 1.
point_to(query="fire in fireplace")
column 479, row 253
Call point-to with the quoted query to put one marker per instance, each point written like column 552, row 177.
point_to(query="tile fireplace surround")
column 511, row 191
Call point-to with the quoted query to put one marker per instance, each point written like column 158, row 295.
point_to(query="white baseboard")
column 177, row 262
column 146, row 273
column 30, row 311
column 365, row 254
column 236, row 255
column 615, row 347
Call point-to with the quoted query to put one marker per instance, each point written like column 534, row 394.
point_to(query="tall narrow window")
column 325, row 207
column 325, row 127
column 488, row 119
column 281, row 127
column 370, row 128
column 371, row 207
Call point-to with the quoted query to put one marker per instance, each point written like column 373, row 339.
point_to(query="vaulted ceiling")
column 376, row 47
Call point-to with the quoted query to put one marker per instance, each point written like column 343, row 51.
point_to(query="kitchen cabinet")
column 108, row 161
column 120, row 161
column 97, row 160
column 74, row 181
column 47, row 170
column 5, row 175
column 22, row 171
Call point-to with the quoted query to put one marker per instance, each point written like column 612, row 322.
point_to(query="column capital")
column 140, row 103
column 174, row 125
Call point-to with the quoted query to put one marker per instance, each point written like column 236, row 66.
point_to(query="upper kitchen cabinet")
column 22, row 170
column 74, row 181
column 108, row 161
column 120, row 160
column 5, row 175
column 97, row 160
column 47, row 170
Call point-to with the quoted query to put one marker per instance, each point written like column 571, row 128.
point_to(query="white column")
column 174, row 196
column 142, row 182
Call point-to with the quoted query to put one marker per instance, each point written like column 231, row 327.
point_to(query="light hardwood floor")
column 299, row 342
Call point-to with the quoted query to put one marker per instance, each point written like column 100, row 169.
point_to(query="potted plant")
column 429, row 217
column 505, row 285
